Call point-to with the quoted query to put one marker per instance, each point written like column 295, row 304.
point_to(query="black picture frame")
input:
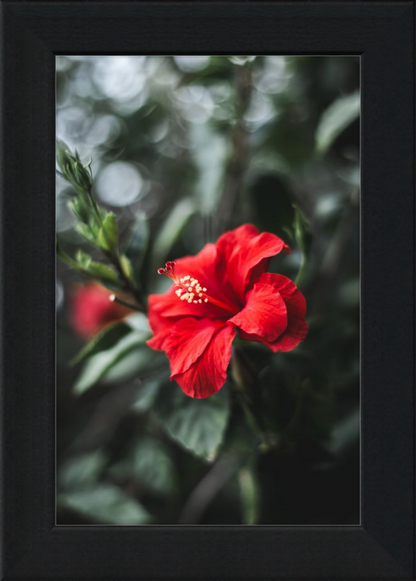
column 383, row 546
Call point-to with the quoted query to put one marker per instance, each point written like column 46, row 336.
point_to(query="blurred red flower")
column 91, row 309
column 223, row 289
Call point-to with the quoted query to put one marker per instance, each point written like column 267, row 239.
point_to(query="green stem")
column 251, row 419
column 302, row 268
column 120, row 301
column 243, row 376
column 249, row 493
column 131, row 288
column 115, row 258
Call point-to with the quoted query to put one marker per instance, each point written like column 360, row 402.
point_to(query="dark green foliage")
column 198, row 424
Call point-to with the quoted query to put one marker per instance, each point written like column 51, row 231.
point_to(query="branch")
column 207, row 489
column 239, row 154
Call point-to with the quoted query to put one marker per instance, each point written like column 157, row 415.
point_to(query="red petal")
column 297, row 327
column 167, row 308
column 241, row 250
column 156, row 304
column 202, row 267
column 264, row 314
column 294, row 335
column 185, row 341
column 209, row 373
column 294, row 299
column 290, row 339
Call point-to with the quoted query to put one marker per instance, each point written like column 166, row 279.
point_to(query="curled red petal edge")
column 264, row 313
column 246, row 251
column 297, row 327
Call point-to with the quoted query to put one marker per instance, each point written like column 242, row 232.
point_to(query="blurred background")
column 184, row 148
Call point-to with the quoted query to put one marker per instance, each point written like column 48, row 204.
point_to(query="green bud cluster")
column 97, row 226
column 71, row 167
column 82, row 203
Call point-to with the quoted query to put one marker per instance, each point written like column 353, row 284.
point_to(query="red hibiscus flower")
column 91, row 309
column 223, row 290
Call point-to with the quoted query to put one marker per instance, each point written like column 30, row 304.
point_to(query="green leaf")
column 349, row 293
column 150, row 464
column 83, row 259
column 345, row 434
column 86, row 232
column 197, row 424
column 171, row 230
column 102, row 272
column 81, row 211
column 127, row 267
column 341, row 113
column 106, row 504
column 85, row 265
column 101, row 363
column 82, row 470
column 301, row 230
column 139, row 322
column 135, row 364
column 136, row 247
column 148, row 392
column 153, row 467
column 103, row 341
column 95, row 269
column 108, row 234
column 303, row 238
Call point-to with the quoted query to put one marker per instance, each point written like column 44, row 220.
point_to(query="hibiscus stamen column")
column 190, row 290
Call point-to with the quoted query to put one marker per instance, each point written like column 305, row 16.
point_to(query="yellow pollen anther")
column 188, row 289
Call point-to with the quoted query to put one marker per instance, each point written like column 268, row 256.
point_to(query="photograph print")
column 208, row 290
